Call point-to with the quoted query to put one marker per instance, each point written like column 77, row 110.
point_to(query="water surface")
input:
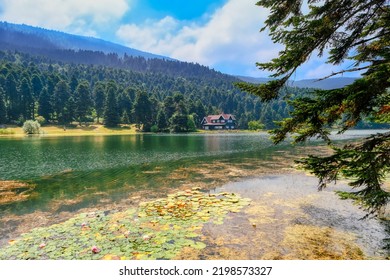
column 69, row 175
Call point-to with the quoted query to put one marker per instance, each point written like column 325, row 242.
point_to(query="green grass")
column 4, row 131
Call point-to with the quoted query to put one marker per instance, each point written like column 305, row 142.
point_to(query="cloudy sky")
column 222, row 34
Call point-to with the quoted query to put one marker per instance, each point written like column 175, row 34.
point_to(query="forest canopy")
column 66, row 92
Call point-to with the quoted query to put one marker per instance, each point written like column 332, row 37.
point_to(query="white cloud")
column 229, row 36
column 78, row 16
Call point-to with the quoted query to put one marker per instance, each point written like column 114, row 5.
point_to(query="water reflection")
column 76, row 174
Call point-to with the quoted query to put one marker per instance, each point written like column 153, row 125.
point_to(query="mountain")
column 36, row 40
column 331, row 83
column 60, row 46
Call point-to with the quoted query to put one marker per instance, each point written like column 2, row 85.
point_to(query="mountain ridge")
column 331, row 83
column 11, row 33
column 67, row 47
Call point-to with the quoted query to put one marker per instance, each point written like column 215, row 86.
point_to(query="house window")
column 230, row 121
column 222, row 121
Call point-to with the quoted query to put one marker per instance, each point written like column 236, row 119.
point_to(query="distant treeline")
column 155, row 94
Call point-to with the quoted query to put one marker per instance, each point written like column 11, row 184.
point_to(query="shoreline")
column 57, row 131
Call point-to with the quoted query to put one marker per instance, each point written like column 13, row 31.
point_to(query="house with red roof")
column 219, row 122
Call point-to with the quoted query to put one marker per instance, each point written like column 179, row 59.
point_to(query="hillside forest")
column 155, row 94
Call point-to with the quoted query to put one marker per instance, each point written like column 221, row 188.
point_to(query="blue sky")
column 221, row 34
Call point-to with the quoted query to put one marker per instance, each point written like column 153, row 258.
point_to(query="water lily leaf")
column 158, row 229
column 199, row 245
column 111, row 257
column 12, row 242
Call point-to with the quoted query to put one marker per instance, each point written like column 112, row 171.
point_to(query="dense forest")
column 154, row 94
column 169, row 95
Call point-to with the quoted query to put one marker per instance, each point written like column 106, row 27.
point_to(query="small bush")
column 31, row 127
column 255, row 125
column 41, row 120
column 154, row 129
column 4, row 131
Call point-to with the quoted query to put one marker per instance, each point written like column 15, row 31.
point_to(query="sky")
column 222, row 34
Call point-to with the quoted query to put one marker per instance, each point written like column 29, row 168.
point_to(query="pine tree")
column 162, row 122
column 45, row 109
column 3, row 109
column 179, row 120
column 360, row 31
column 69, row 111
column 83, row 101
column 99, row 99
column 111, row 112
column 60, row 98
column 143, row 111
column 125, row 105
column 36, row 86
column 27, row 101
column 12, row 96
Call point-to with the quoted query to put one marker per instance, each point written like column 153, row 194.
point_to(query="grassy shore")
column 95, row 129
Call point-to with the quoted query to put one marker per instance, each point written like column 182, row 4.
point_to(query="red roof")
column 210, row 118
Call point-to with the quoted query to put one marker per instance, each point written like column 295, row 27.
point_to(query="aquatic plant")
column 157, row 229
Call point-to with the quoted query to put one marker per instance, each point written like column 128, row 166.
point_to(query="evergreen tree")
column 45, row 109
column 179, row 120
column 73, row 83
column 12, row 96
column 3, row 109
column 169, row 107
column 99, row 99
column 340, row 27
column 125, row 105
column 162, row 122
column 83, row 101
column 61, row 97
column 70, row 110
column 36, row 86
column 27, row 101
column 143, row 111
column 191, row 127
column 111, row 112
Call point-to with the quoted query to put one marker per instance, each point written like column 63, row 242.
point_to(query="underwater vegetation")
column 158, row 229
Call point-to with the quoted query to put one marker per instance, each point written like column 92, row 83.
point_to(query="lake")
column 65, row 176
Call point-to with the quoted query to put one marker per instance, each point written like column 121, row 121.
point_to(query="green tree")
column 99, row 99
column 191, row 127
column 61, row 97
column 125, row 105
column 12, row 96
column 3, row 109
column 111, row 112
column 31, row 127
column 255, row 125
column 200, row 112
column 44, row 107
column 356, row 30
column 36, row 86
column 179, row 120
column 143, row 111
column 27, row 101
column 169, row 107
column 70, row 110
column 162, row 123
column 83, row 101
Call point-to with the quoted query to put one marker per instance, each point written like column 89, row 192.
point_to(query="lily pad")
column 158, row 229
